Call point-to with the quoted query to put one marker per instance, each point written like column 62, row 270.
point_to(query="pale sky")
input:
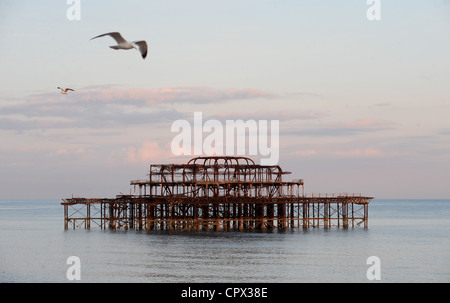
column 363, row 105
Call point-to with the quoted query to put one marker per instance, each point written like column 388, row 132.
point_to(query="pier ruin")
column 217, row 193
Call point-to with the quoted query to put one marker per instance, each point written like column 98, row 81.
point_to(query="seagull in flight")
column 64, row 90
column 124, row 44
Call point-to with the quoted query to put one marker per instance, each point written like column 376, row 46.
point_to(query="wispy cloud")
column 360, row 152
column 362, row 125
column 338, row 151
column 110, row 106
column 141, row 96
column 282, row 115
column 146, row 153
column 343, row 128
column 444, row 131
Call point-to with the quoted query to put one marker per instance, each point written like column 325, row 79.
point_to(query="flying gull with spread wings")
column 64, row 90
column 124, row 44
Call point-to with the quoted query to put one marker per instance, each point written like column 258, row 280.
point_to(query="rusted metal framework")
column 217, row 193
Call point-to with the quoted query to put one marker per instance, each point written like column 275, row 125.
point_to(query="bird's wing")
column 69, row 89
column 142, row 48
column 117, row 36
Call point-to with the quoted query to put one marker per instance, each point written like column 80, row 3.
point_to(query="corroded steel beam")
column 217, row 193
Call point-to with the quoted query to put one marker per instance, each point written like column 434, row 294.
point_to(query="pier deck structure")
column 217, row 193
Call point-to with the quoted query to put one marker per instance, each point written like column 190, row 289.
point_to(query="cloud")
column 444, row 131
column 200, row 95
column 303, row 153
column 109, row 106
column 282, row 115
column 67, row 151
column 20, row 164
column 383, row 104
column 362, row 124
column 366, row 152
column 343, row 128
column 325, row 151
column 141, row 96
column 148, row 152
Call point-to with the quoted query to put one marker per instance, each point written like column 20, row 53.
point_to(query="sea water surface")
column 410, row 238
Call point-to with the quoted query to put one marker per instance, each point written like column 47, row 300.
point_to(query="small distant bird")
column 124, row 44
column 64, row 90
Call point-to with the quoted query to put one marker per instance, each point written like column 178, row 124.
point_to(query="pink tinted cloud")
column 352, row 153
column 345, row 153
column 304, row 153
column 363, row 124
column 148, row 152
column 172, row 94
column 65, row 151
column 100, row 106
column 365, row 152
column 283, row 115
column 48, row 101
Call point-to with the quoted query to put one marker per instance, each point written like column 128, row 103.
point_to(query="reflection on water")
column 410, row 237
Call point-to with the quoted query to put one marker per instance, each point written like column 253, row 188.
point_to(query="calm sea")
column 410, row 238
